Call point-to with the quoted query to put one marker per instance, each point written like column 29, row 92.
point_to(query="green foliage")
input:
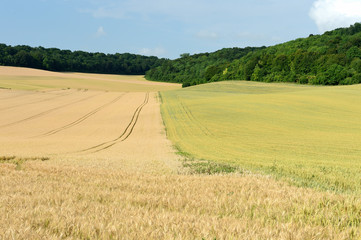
column 209, row 167
column 212, row 71
column 356, row 65
column 332, row 76
column 186, row 84
column 257, row 74
column 184, row 55
column 329, row 59
column 199, row 68
column 356, row 78
column 303, row 80
column 353, row 52
column 78, row 61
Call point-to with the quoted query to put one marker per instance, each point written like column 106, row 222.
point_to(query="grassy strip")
column 202, row 166
column 209, row 167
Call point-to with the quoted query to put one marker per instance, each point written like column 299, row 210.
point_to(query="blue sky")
column 167, row 28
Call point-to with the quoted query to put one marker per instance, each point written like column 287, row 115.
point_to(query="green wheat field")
column 307, row 135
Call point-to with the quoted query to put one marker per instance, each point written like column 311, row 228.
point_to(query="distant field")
column 92, row 161
column 33, row 79
column 310, row 136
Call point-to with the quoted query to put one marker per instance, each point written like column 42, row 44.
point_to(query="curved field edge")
column 309, row 136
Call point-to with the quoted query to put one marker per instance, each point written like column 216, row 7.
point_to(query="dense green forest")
column 78, row 61
column 198, row 68
column 332, row 58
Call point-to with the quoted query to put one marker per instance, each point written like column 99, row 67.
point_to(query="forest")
column 54, row 59
column 333, row 58
column 198, row 68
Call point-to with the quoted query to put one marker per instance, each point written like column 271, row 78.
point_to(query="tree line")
column 54, row 59
column 198, row 68
column 333, row 58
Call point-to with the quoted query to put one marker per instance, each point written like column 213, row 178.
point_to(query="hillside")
column 329, row 59
column 17, row 78
column 309, row 136
column 55, row 59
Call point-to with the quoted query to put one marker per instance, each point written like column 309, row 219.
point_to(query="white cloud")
column 100, row 32
column 204, row 34
column 158, row 51
column 331, row 14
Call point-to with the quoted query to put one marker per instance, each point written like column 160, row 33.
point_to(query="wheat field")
column 40, row 80
column 307, row 135
column 86, row 157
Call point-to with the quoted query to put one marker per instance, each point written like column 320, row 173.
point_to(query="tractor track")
column 81, row 119
column 191, row 117
column 46, row 112
column 126, row 133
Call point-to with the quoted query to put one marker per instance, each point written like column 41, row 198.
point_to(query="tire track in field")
column 125, row 134
column 39, row 101
column 46, row 112
column 194, row 120
column 81, row 119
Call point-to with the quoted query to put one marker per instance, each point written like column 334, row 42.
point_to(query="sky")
column 168, row 28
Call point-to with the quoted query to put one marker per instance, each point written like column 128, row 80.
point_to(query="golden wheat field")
column 85, row 156
column 39, row 80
